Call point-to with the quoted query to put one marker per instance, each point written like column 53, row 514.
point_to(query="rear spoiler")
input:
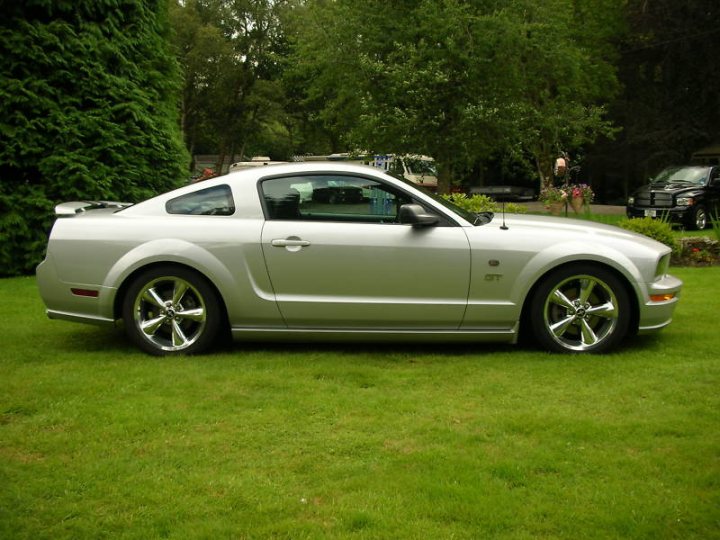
column 78, row 207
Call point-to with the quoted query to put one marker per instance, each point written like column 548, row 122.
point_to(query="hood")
column 668, row 187
column 555, row 229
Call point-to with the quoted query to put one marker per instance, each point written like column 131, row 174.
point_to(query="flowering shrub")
column 552, row 194
column 582, row 191
column 698, row 255
column 698, row 251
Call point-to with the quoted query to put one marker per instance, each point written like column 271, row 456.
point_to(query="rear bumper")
column 62, row 303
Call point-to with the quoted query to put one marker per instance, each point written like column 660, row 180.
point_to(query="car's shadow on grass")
column 112, row 341
column 94, row 339
column 91, row 339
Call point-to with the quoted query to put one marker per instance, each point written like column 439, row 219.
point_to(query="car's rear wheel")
column 171, row 310
column 580, row 308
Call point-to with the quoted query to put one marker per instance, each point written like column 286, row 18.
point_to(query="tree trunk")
column 543, row 165
column 220, row 159
column 444, row 177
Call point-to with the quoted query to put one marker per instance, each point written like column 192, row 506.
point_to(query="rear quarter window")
column 214, row 201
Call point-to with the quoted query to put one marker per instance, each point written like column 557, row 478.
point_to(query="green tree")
column 457, row 80
column 231, row 53
column 88, row 110
column 565, row 72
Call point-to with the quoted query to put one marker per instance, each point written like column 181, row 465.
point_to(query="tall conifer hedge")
column 88, row 111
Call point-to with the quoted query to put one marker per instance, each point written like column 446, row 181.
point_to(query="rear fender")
column 244, row 295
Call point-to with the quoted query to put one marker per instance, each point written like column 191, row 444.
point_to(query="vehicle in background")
column 414, row 168
column 417, row 169
column 505, row 193
column 255, row 161
column 688, row 194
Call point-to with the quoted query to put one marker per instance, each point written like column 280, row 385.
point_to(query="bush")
column 483, row 203
column 88, row 111
column 515, row 208
column 656, row 229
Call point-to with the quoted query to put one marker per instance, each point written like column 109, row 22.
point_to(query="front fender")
column 563, row 253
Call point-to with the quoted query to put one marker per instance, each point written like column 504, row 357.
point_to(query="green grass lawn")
column 257, row 441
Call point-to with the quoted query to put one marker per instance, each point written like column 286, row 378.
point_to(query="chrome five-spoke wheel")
column 580, row 309
column 171, row 310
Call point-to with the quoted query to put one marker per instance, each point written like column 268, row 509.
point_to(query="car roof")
column 247, row 178
column 294, row 168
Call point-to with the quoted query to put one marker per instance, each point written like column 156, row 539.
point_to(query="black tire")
column 581, row 308
column 698, row 218
column 170, row 310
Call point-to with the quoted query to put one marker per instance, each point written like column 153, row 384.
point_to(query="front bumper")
column 676, row 214
column 656, row 315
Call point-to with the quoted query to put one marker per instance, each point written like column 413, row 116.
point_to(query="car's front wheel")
column 580, row 308
column 171, row 310
column 698, row 218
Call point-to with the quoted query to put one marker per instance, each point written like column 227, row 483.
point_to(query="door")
column 713, row 194
column 338, row 258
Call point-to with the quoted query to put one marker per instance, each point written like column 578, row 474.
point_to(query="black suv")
column 687, row 194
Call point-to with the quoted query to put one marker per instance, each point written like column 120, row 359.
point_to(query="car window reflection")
column 332, row 198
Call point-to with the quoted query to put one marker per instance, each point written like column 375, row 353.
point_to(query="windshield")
column 687, row 175
column 420, row 166
column 475, row 219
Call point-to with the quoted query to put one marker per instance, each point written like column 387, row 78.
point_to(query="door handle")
column 289, row 242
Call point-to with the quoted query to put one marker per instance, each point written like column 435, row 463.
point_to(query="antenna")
column 504, row 227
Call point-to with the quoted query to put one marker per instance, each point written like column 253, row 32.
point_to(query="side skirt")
column 495, row 335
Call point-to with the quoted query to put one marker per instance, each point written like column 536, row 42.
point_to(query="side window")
column 214, row 201
column 332, row 198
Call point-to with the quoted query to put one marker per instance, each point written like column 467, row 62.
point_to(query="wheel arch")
column 622, row 278
column 128, row 280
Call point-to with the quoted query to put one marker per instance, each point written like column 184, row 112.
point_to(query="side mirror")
column 415, row 215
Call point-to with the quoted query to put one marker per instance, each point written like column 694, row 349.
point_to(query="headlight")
column 631, row 200
column 685, row 201
column 662, row 266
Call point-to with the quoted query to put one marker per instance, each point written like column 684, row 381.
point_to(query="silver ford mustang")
column 343, row 252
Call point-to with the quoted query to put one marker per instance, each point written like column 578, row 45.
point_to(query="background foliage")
column 94, row 95
column 232, row 54
column 87, row 111
column 657, row 229
column 670, row 104
column 460, row 81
